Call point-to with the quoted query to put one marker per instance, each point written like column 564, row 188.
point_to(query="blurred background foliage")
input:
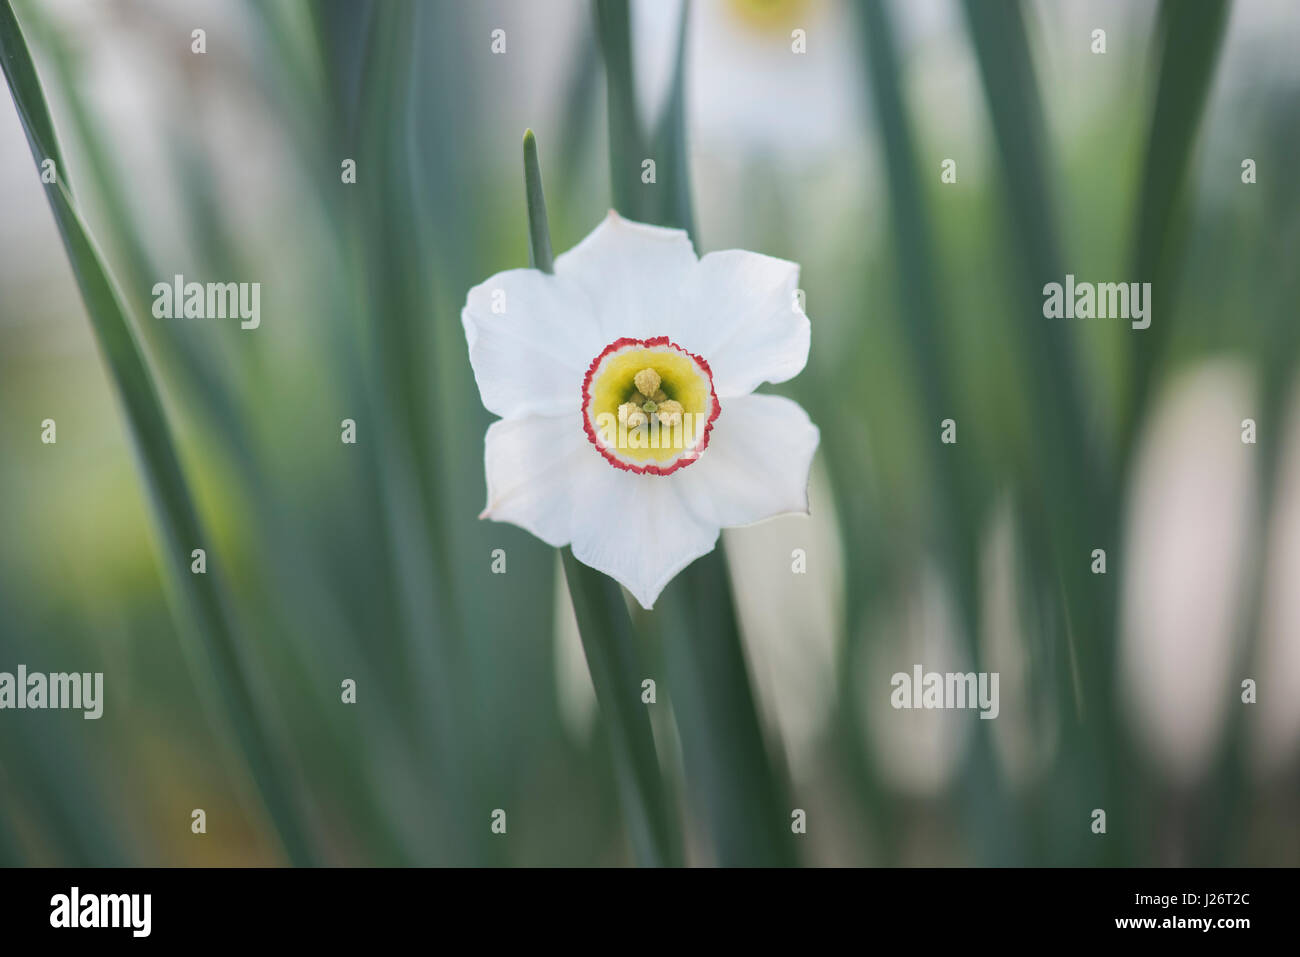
column 1119, row 691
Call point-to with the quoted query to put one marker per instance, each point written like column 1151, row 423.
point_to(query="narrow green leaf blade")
column 610, row 646
column 922, row 317
column 539, row 230
column 1190, row 37
column 627, row 147
column 729, row 768
column 670, row 140
column 208, row 638
column 20, row 72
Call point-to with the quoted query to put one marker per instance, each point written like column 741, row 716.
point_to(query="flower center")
column 648, row 405
column 771, row 17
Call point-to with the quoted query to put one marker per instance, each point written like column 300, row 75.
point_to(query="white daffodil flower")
column 625, row 383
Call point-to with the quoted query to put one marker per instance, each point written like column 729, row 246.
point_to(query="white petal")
column 633, row 274
column 544, row 476
column 746, row 320
column 756, row 464
column 638, row 530
column 531, row 337
column 532, row 466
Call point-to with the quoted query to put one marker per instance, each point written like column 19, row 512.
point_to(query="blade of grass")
column 919, row 281
column 1072, row 498
column 627, row 145
column 729, row 767
column 62, row 805
column 670, row 142
column 1190, row 35
column 539, row 228
column 409, row 466
column 315, row 628
column 1011, row 92
column 918, row 289
column 580, row 115
column 609, row 643
column 206, row 634
column 343, row 31
column 20, row 72
column 607, row 637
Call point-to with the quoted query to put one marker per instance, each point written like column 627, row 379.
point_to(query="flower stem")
column 610, row 646
column 729, row 770
column 608, row 640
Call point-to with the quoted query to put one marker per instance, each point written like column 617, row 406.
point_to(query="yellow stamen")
column 670, row 412
column 647, row 382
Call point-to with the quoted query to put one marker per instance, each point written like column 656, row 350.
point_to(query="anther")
column 647, row 382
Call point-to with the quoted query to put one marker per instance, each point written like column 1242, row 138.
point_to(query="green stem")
column 608, row 639
column 728, row 767
column 610, row 646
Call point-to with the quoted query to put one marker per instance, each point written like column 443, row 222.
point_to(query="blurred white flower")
column 1276, row 729
column 1025, row 734
column 1186, row 544
column 747, row 88
column 917, row 749
column 795, row 679
column 624, row 381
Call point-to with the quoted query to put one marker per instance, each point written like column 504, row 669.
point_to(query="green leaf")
column 608, row 639
column 1073, row 500
column 1190, row 35
column 1011, row 92
column 29, row 99
column 206, row 631
column 627, row 145
column 674, row 184
column 539, row 230
column 952, row 470
column 728, row 765
column 609, row 643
